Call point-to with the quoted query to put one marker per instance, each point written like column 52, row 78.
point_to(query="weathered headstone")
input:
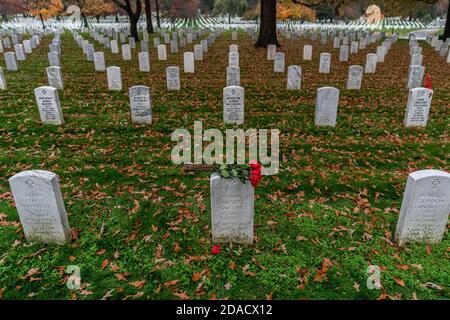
column 271, row 50
column 326, row 106
column 126, row 52
column 189, row 64
column 371, row 63
column 54, row 77
column 47, row 99
column 233, row 105
column 173, row 78
column 198, row 52
column 307, row 52
column 425, row 207
column 99, row 61
column 232, row 210
column 114, row 76
column 114, row 47
column 325, row 62
column 233, row 59
column 355, row 75
column 141, row 104
column 20, row 52
column 354, row 47
column 11, row 62
column 415, row 76
column 162, row 52
column 343, row 53
column 233, row 76
column 418, row 107
column 294, row 78
column 279, row 62
column 144, row 61
column 39, row 201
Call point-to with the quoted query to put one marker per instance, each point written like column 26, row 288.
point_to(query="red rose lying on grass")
column 255, row 175
column 428, row 84
column 215, row 249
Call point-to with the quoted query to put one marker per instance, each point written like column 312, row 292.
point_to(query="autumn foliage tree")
column 10, row 7
column 44, row 9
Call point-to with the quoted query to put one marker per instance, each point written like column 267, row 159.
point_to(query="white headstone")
column 144, row 61
column 189, row 64
column 326, row 106
column 173, row 78
column 198, row 52
column 141, row 104
column 425, row 207
column 114, row 75
column 354, row 47
column 233, row 105
column 343, row 53
column 381, row 52
column 325, row 62
column 294, row 78
column 233, row 76
column 162, row 52
column 50, row 111
column 279, row 62
column 307, row 52
column 415, row 76
column 54, row 77
column 271, row 50
column 355, row 75
column 371, row 63
column 11, row 62
column 233, row 59
column 99, row 61
column 39, row 201
column 114, row 47
column 232, row 210
column 126, row 52
column 418, row 107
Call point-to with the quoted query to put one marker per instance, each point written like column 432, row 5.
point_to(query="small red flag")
column 428, row 84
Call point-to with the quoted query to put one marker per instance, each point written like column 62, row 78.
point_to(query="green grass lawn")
column 141, row 227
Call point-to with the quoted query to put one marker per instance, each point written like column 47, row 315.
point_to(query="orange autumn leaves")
column 44, row 9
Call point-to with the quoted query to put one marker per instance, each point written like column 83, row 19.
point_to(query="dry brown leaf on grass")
column 170, row 283
column 181, row 295
column 104, row 264
column 138, row 283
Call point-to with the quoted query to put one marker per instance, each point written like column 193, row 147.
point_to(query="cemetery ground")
column 141, row 227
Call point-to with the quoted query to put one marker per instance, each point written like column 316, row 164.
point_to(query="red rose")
column 428, row 84
column 255, row 174
column 215, row 249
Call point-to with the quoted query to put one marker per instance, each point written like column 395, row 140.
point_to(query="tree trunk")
column 42, row 20
column 134, row 27
column 229, row 18
column 98, row 19
column 117, row 17
column 447, row 26
column 158, row 22
column 148, row 13
column 268, row 25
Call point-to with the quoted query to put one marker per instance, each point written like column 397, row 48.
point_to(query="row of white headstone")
column 423, row 215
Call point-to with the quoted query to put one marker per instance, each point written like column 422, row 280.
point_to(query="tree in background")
column 230, row 7
column 98, row 8
column 10, row 7
column 44, row 9
column 133, row 10
column 158, row 14
column 287, row 10
column 148, row 14
column 175, row 9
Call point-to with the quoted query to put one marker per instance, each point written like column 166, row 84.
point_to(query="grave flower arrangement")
column 251, row 172
column 244, row 172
